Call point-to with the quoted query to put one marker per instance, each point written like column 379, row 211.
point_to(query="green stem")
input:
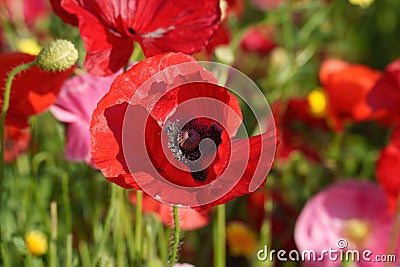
column 119, row 228
column 219, row 237
column 85, row 255
column 265, row 232
column 107, row 225
column 5, row 256
column 162, row 242
column 68, row 262
column 138, row 225
column 53, row 235
column 6, row 103
column 177, row 233
column 67, row 202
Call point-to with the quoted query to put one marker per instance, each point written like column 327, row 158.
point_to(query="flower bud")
column 57, row 55
column 36, row 243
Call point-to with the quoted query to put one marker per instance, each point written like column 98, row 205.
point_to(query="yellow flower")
column 361, row 3
column 36, row 243
column 242, row 241
column 317, row 101
column 29, row 46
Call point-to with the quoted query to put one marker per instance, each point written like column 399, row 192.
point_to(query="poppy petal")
column 62, row 13
column 387, row 169
column 386, row 92
column 255, row 153
column 107, row 52
column 108, row 29
column 33, row 90
column 347, row 87
column 173, row 26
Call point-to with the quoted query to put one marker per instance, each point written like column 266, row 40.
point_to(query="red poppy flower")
column 297, row 127
column 259, row 39
column 185, row 155
column 347, row 86
column 32, row 91
column 188, row 219
column 16, row 142
column 388, row 169
column 109, row 28
column 385, row 95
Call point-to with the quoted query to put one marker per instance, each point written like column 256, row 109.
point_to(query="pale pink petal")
column 74, row 106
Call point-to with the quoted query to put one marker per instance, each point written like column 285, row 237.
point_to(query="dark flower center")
column 187, row 146
column 188, row 140
column 131, row 31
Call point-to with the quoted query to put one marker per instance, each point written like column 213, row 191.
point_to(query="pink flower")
column 27, row 10
column 183, row 265
column 354, row 211
column 74, row 106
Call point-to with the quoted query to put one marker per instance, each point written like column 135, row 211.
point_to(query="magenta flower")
column 350, row 215
column 74, row 107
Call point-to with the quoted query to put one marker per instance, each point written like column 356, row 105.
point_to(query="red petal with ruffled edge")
column 108, row 29
column 33, row 90
column 107, row 50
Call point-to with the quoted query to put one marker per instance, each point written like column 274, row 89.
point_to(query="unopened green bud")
column 57, row 55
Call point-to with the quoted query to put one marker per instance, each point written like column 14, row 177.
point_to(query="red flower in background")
column 16, row 142
column 259, row 39
column 388, row 169
column 298, row 125
column 190, row 168
column 347, row 86
column 33, row 90
column 108, row 28
column 385, row 95
column 234, row 8
column 188, row 219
